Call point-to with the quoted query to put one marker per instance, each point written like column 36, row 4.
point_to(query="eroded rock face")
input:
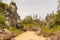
column 11, row 16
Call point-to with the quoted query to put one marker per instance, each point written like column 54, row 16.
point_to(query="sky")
column 33, row 7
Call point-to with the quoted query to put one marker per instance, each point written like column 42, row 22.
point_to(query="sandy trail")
column 29, row 35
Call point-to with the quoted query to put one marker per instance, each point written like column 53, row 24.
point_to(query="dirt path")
column 29, row 35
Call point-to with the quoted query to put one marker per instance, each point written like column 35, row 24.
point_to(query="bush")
column 1, row 18
column 13, row 29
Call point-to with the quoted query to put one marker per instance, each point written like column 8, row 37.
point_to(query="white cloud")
column 40, row 7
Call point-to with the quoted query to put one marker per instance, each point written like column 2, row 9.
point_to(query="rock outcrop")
column 5, row 34
column 11, row 16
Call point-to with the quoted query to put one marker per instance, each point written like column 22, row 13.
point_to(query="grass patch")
column 51, row 30
column 15, row 30
column 56, row 28
column 46, row 29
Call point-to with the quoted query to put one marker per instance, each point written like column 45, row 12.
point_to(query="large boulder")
column 5, row 34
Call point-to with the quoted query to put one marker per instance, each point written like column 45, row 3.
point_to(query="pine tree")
column 58, row 6
column 58, row 15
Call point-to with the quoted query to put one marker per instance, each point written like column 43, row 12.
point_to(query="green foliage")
column 3, row 6
column 27, row 20
column 13, row 29
column 56, row 28
column 1, row 18
column 48, row 30
column 51, row 30
column 58, row 18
